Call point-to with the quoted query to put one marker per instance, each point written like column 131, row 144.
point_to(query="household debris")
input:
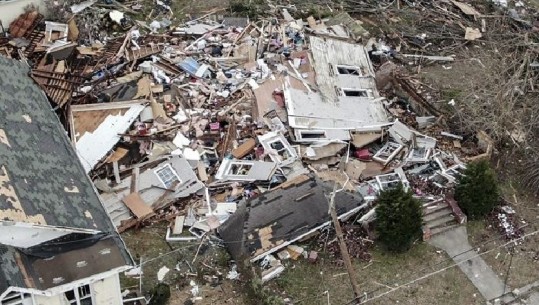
column 214, row 127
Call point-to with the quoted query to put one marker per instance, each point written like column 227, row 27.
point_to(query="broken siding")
column 93, row 147
column 116, row 209
column 328, row 53
column 87, row 118
column 330, row 108
column 310, row 111
column 151, row 189
column 49, row 300
column 107, row 291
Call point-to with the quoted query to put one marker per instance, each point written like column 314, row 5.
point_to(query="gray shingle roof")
column 43, row 182
column 41, row 179
column 263, row 223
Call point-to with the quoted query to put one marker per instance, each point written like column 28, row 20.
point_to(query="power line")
column 445, row 268
column 499, row 237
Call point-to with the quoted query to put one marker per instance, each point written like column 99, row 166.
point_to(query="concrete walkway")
column 455, row 242
column 527, row 295
column 533, row 299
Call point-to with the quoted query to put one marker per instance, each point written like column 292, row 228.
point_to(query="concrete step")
column 437, row 214
column 433, row 203
column 434, row 208
column 442, row 229
column 441, row 221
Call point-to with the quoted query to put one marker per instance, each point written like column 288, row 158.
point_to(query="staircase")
column 438, row 217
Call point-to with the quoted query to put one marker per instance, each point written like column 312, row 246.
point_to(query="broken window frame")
column 388, row 152
column 419, row 154
column 300, row 132
column 398, row 177
column 450, row 175
column 368, row 93
column 169, row 182
column 285, row 149
column 453, row 172
column 357, row 69
column 51, row 27
column 79, row 295
column 386, row 184
column 229, row 169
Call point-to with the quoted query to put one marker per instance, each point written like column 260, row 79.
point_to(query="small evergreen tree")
column 160, row 294
column 398, row 219
column 477, row 190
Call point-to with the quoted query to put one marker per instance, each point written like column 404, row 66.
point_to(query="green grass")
column 306, row 283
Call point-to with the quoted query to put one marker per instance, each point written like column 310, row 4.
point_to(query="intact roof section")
column 41, row 179
column 80, row 260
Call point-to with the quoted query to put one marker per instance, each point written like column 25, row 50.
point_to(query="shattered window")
column 167, row 175
column 239, row 169
column 350, row 70
column 282, row 151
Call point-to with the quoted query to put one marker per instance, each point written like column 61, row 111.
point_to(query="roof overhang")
column 26, row 235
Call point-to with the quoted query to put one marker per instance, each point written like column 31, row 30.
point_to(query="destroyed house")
column 346, row 99
column 268, row 223
column 57, row 243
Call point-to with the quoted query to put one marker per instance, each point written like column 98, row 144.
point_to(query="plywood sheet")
column 118, row 154
column 137, row 206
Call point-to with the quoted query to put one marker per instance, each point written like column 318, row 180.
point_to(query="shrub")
column 160, row 294
column 398, row 219
column 477, row 190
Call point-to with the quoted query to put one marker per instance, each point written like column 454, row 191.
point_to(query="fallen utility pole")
column 344, row 250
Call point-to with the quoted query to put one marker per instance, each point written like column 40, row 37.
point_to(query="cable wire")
column 445, row 268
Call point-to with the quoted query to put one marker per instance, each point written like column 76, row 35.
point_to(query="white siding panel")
column 107, row 291
column 52, row 300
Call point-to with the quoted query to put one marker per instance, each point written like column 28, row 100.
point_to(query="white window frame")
column 82, row 293
column 387, row 152
column 285, row 148
column 79, row 295
column 398, row 176
column 241, row 164
column 51, row 27
column 301, row 132
column 348, row 67
column 419, row 154
column 174, row 173
column 368, row 93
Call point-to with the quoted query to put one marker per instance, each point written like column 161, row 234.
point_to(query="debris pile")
column 504, row 220
column 217, row 125
column 356, row 241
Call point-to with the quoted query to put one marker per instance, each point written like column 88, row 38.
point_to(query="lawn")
column 307, row 283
